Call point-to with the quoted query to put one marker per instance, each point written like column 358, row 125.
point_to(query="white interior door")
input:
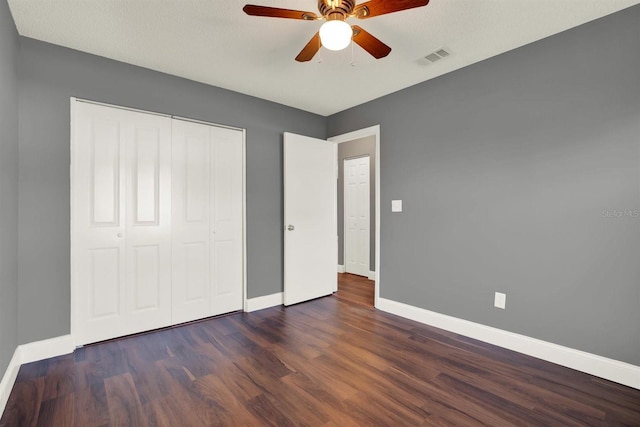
column 310, row 235
column 207, row 220
column 121, row 194
column 356, row 215
column 191, row 230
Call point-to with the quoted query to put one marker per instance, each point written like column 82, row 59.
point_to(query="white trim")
column 8, row 379
column 335, row 208
column 202, row 122
column 74, row 312
column 610, row 369
column 372, row 275
column 155, row 113
column 340, row 268
column 259, row 303
column 120, row 107
column 45, row 349
column 32, row 352
column 244, row 219
column 362, row 133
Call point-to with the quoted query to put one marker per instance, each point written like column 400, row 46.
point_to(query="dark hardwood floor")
column 334, row 361
column 355, row 289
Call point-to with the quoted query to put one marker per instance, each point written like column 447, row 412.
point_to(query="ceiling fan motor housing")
column 336, row 9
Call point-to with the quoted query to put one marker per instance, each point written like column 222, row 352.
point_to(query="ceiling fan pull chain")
column 353, row 61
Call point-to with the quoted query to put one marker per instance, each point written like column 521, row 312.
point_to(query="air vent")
column 434, row 56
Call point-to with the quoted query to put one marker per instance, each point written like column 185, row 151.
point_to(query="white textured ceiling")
column 214, row 42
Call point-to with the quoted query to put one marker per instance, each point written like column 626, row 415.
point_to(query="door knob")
column 291, row 228
column 120, row 235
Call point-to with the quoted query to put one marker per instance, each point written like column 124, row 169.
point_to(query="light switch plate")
column 500, row 300
column 396, row 206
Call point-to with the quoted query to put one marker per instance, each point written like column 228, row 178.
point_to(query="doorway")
column 356, row 146
column 356, row 203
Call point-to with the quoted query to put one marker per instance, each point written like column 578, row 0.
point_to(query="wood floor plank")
column 268, row 413
column 124, row 404
column 24, row 403
column 58, row 411
column 168, row 412
column 361, row 290
column 513, row 413
column 91, row 408
column 324, row 396
column 60, row 377
column 333, row 361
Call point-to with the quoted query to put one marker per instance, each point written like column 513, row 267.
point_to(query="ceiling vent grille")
column 434, row 56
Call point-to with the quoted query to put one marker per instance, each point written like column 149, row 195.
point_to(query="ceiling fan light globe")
column 335, row 35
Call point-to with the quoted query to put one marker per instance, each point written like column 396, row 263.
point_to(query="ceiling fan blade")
column 310, row 50
column 375, row 47
column 274, row 12
column 382, row 7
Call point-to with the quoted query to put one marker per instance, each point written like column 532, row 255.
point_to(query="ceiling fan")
column 335, row 33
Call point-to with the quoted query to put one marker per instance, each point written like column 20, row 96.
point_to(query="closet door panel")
column 145, row 174
column 191, row 216
column 97, row 251
column 148, row 231
column 104, row 163
column 226, row 206
column 104, row 265
column 146, row 266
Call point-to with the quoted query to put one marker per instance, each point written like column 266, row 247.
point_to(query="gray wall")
column 513, row 173
column 49, row 75
column 349, row 150
column 8, row 186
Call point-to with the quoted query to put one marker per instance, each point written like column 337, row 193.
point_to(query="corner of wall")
column 9, row 61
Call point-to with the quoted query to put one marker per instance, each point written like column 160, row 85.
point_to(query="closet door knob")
column 291, row 228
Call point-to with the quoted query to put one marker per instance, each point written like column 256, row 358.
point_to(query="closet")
column 156, row 221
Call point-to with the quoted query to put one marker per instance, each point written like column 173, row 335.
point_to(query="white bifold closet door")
column 157, row 221
column 121, row 213
column 207, row 220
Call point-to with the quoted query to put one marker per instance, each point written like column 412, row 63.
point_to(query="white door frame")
column 74, row 298
column 350, row 136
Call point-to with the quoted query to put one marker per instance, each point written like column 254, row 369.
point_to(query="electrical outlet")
column 500, row 300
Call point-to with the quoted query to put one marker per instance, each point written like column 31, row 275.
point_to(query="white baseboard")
column 609, row 369
column 45, row 349
column 9, row 379
column 259, row 303
column 32, row 352
column 370, row 276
